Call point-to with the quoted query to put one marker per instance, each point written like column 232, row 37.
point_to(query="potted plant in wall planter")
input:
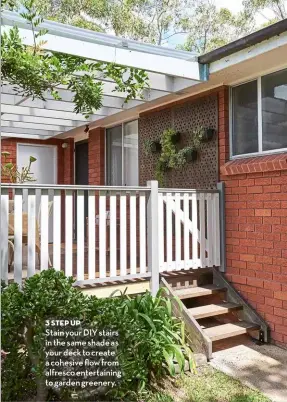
column 207, row 134
column 190, row 154
column 175, row 137
column 152, row 146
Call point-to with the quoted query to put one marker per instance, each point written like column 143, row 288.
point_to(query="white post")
column 152, row 233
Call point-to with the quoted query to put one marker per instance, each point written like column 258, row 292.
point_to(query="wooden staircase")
column 212, row 309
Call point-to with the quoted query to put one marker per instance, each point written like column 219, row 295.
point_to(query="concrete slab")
column 263, row 367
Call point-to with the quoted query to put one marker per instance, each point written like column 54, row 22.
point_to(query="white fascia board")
column 159, row 82
column 93, row 50
column 249, row 53
column 57, row 114
column 26, row 136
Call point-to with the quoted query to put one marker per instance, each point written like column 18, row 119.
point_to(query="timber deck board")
column 229, row 330
column 212, row 310
column 197, row 291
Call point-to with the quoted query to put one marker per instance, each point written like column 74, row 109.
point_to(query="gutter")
column 245, row 42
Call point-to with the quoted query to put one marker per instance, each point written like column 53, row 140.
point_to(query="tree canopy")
column 34, row 72
column 205, row 26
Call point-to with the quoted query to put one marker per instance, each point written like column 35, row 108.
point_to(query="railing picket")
column 216, row 228
column 4, row 234
column 202, row 229
column 123, row 230
column 92, row 235
column 160, row 232
column 44, row 230
column 177, row 231
column 69, row 233
column 18, row 227
column 133, row 234
column 194, row 231
column 113, row 234
column 169, row 231
column 142, row 230
column 186, row 230
column 80, row 235
column 31, row 233
column 57, row 230
column 102, row 234
column 209, row 231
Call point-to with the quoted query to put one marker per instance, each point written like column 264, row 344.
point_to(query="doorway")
column 82, row 174
column 44, row 171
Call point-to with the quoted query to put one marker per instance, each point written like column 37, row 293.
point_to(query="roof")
column 245, row 42
column 169, row 71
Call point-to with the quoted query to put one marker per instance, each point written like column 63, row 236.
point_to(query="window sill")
column 267, row 163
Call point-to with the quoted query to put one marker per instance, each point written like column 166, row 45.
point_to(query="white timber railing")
column 107, row 234
column 189, row 229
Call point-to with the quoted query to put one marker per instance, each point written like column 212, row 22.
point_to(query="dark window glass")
column 245, row 119
column 274, row 110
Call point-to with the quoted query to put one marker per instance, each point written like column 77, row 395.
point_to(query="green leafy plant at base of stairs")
column 151, row 340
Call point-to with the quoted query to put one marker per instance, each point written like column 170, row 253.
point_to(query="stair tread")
column 197, row 291
column 212, row 310
column 228, row 330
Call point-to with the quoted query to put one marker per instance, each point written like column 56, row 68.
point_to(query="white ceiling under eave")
column 171, row 72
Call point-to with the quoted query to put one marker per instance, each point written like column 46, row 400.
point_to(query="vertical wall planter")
column 208, row 134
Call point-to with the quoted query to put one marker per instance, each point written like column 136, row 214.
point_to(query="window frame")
column 122, row 125
column 260, row 119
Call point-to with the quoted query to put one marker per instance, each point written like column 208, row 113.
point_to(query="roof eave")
column 243, row 43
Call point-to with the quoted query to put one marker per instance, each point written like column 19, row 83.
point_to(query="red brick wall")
column 96, row 144
column 65, row 156
column 256, row 228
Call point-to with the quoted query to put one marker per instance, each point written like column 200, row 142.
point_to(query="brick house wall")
column 256, row 228
column 65, row 162
column 65, row 156
column 96, row 149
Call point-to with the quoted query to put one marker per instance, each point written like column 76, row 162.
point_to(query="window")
column 259, row 115
column 122, row 155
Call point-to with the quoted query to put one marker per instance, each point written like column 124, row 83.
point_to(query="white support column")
column 152, row 230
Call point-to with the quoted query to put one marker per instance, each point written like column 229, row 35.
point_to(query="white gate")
column 189, row 229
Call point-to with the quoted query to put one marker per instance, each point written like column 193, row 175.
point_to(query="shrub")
column 150, row 339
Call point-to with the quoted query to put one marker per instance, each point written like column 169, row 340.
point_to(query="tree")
column 271, row 10
column 33, row 72
column 150, row 21
column 210, row 28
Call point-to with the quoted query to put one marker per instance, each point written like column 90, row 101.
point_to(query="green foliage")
column 34, row 72
column 23, row 323
column 171, row 157
column 211, row 27
column 151, row 339
column 206, row 26
column 13, row 174
column 278, row 9
column 144, row 20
